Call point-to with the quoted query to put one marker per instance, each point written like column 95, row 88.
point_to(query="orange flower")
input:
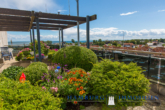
column 79, row 84
column 76, row 84
column 74, row 73
column 62, row 80
column 78, row 89
column 75, row 102
column 70, row 80
column 88, row 78
column 86, row 81
column 65, row 78
column 81, row 75
column 81, row 87
column 81, row 92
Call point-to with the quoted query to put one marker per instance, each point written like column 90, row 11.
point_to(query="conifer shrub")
column 34, row 72
column 118, row 79
column 23, row 96
column 76, row 56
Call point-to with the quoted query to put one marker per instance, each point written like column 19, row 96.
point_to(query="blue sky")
column 139, row 19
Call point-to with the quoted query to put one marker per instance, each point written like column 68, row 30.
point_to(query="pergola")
column 22, row 20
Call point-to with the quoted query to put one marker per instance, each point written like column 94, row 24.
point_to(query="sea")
column 21, row 43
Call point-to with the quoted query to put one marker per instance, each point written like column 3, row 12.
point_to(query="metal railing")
column 154, row 66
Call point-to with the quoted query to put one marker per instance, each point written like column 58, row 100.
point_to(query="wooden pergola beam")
column 51, row 26
column 13, row 30
column 15, row 12
column 12, row 24
column 4, row 17
column 46, row 28
column 57, row 21
column 57, row 16
column 32, row 20
column 16, row 22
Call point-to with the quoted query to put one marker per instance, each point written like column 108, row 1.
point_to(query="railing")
column 154, row 66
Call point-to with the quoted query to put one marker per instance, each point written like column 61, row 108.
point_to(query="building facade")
column 3, row 39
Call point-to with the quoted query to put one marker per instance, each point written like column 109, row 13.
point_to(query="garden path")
column 7, row 64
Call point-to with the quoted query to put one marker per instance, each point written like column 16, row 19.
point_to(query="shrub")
column 34, row 72
column 44, row 47
column 51, row 54
column 23, row 96
column 19, row 56
column 26, row 51
column 76, row 56
column 12, row 71
column 118, row 79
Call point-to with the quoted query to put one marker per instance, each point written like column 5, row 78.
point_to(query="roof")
column 23, row 20
column 128, row 44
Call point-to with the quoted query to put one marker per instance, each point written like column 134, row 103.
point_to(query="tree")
column 118, row 45
column 73, row 41
column 163, row 45
column 114, row 43
column 100, row 40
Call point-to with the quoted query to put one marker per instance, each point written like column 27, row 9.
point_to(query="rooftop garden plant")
column 17, row 96
column 76, row 56
column 12, row 71
column 34, row 72
column 118, row 79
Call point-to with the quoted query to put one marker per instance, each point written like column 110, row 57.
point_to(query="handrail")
column 137, row 51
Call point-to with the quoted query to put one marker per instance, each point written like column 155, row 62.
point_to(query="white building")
column 3, row 39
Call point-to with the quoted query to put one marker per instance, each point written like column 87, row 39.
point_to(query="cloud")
column 161, row 10
column 36, row 5
column 110, row 33
column 129, row 13
column 61, row 11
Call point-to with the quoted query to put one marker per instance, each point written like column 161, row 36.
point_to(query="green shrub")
column 38, row 64
column 74, row 69
column 76, row 56
column 23, row 96
column 12, row 71
column 118, row 79
column 51, row 54
column 34, row 72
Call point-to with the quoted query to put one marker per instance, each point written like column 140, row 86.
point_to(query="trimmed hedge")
column 76, row 56
column 34, row 72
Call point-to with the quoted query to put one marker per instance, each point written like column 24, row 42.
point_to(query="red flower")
column 81, row 75
column 74, row 73
column 77, row 88
column 75, row 102
column 65, row 78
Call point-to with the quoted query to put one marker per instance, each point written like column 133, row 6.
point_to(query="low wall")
column 158, row 88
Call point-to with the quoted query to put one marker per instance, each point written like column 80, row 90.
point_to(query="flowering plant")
column 19, row 56
column 74, row 83
column 26, row 51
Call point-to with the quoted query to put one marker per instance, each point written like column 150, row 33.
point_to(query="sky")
column 135, row 19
